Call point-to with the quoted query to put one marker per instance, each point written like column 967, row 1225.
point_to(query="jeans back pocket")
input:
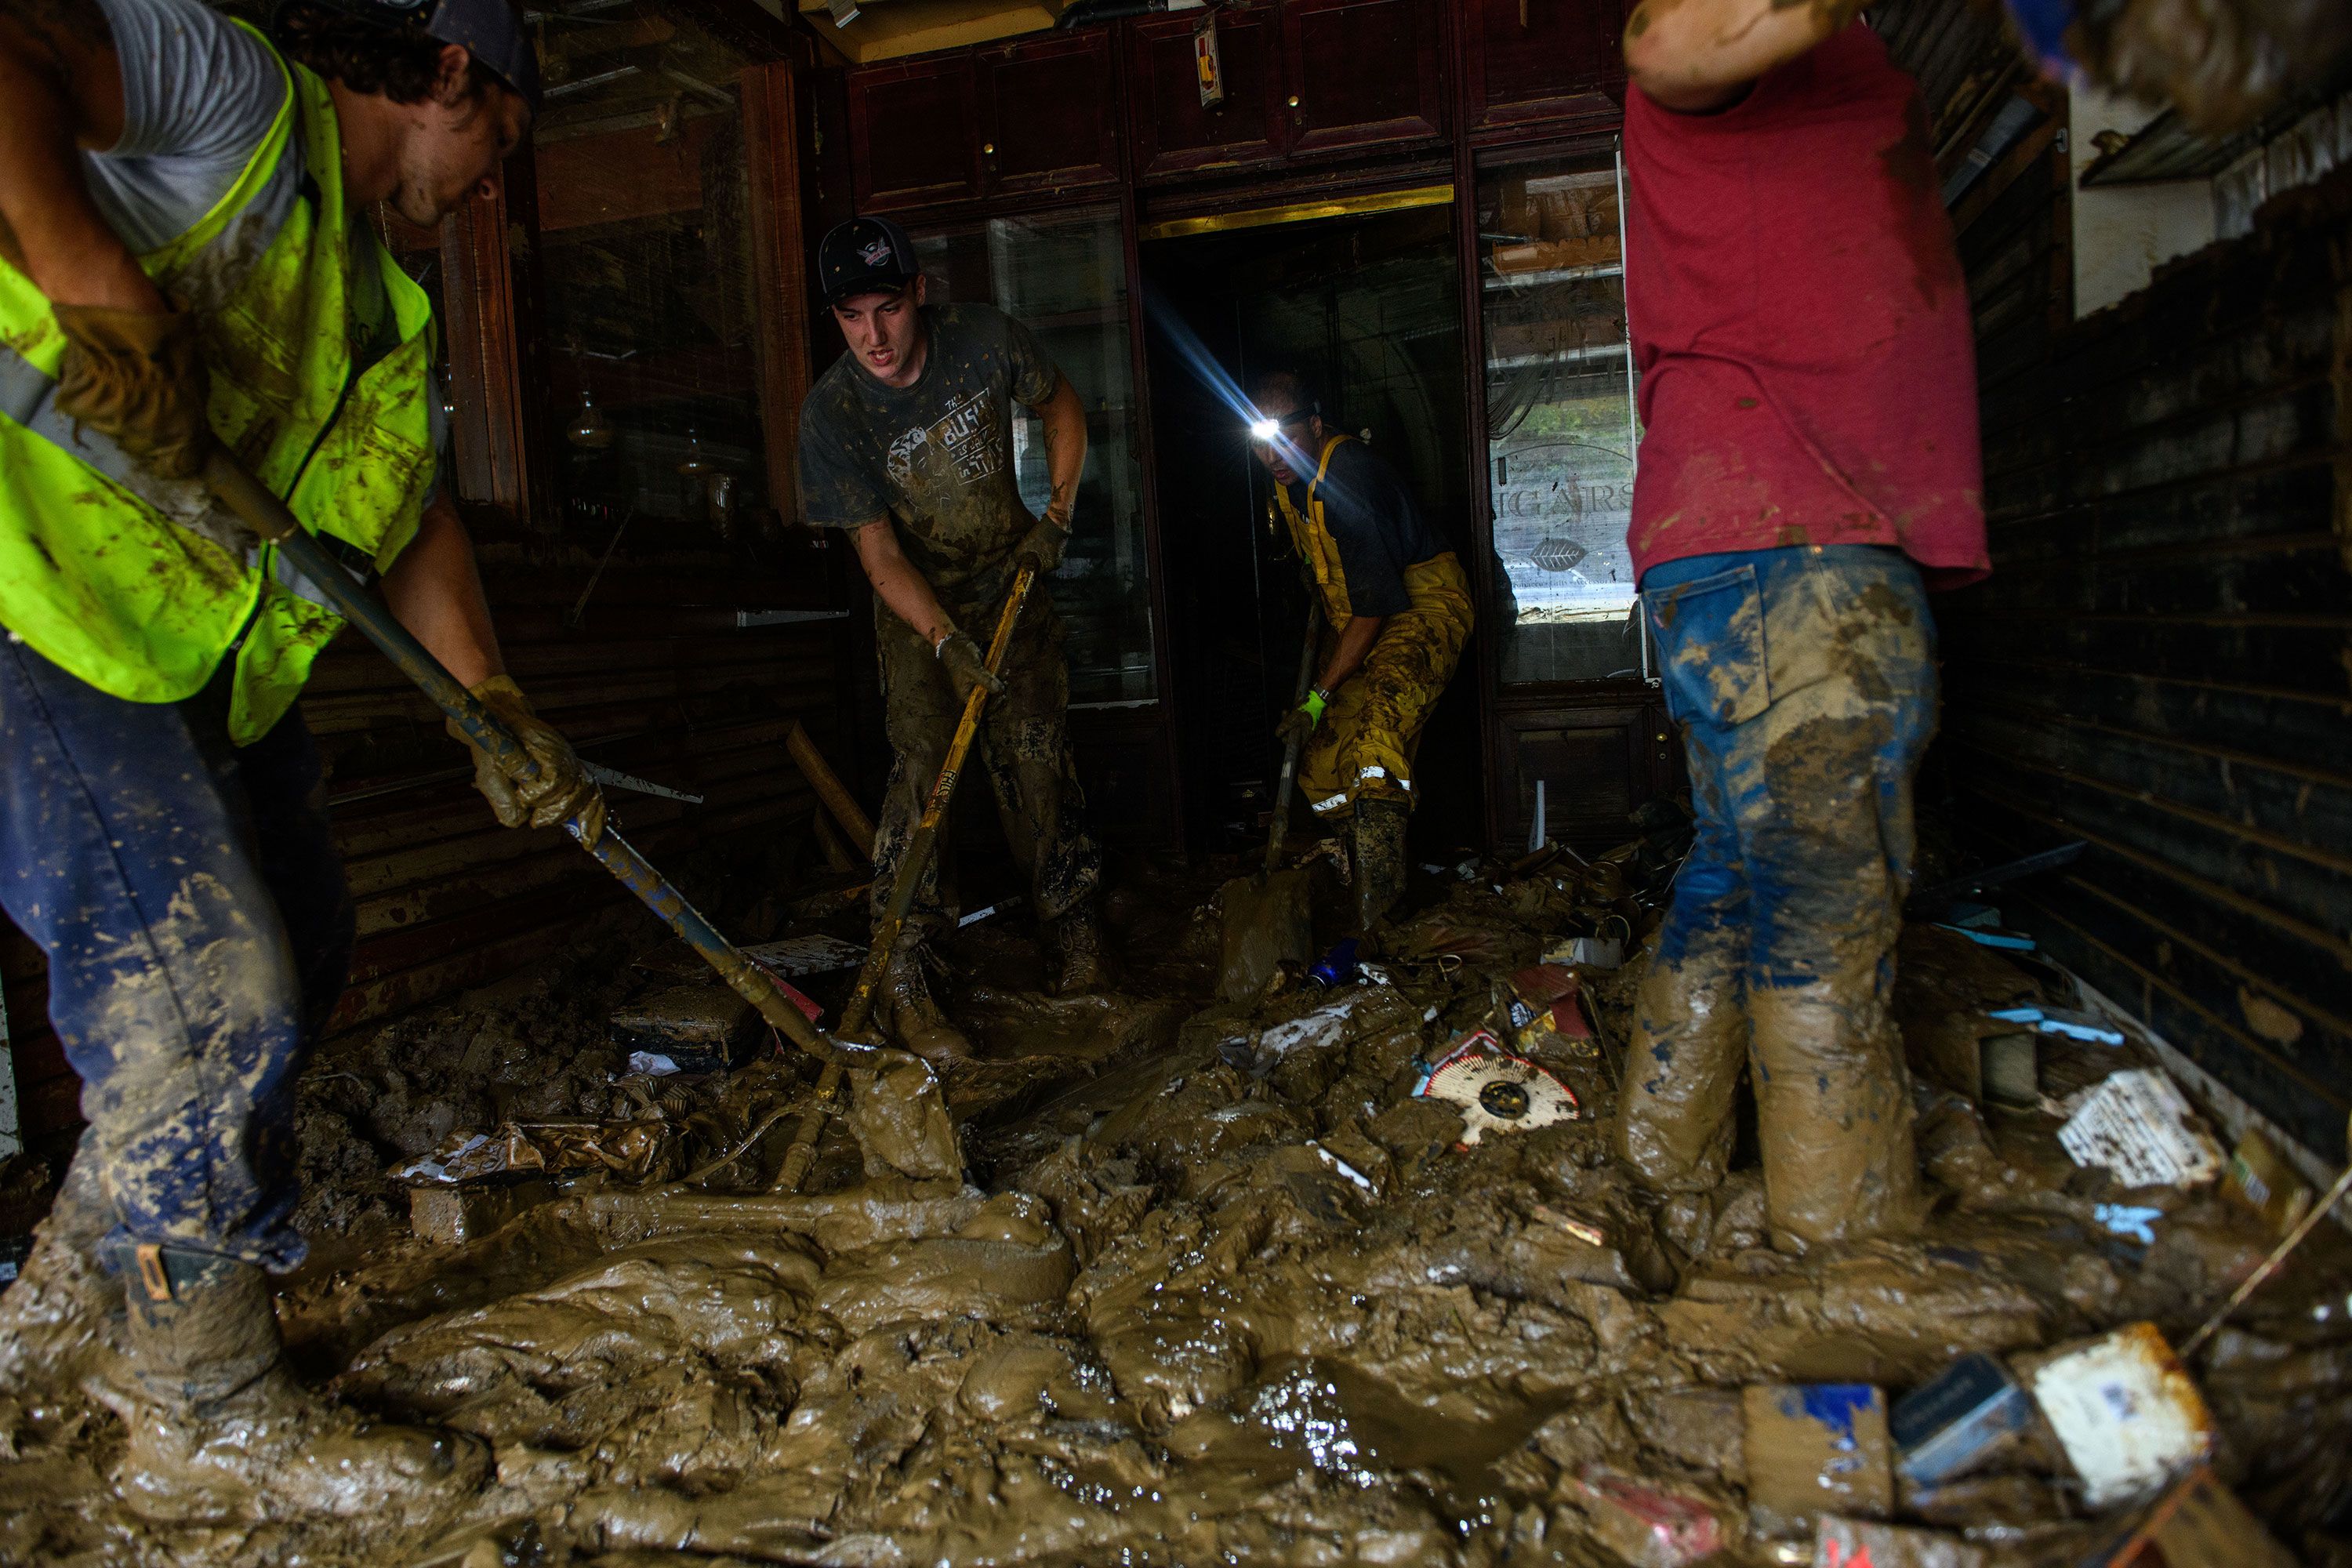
column 1710, row 634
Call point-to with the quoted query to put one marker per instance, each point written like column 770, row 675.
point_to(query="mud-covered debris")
column 1815, row 1448
column 2260, row 1177
column 1865, row 1544
column 1493, row 1090
column 628, row 1151
column 2137, row 1124
column 696, row 1028
column 1650, row 1524
column 2128, row 1413
column 2197, row 1523
column 1960, row 1421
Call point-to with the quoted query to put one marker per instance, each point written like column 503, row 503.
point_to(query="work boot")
column 220, row 1430
column 1379, row 855
column 62, row 1319
column 1075, row 963
column 915, row 1019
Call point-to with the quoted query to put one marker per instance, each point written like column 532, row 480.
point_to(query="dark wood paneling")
column 1051, row 113
column 1362, row 73
column 915, row 133
column 771, row 148
column 1168, row 129
column 1535, row 67
column 1600, row 756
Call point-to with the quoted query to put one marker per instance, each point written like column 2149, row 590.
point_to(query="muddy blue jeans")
column 198, row 927
column 1805, row 682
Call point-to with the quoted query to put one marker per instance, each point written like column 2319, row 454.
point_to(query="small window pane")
column 1065, row 276
column 1560, row 421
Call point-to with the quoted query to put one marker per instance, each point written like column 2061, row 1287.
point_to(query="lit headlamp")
column 1265, row 429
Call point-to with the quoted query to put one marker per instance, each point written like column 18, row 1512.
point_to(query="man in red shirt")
column 1809, row 468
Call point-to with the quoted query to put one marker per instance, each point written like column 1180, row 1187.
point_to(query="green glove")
column 1299, row 723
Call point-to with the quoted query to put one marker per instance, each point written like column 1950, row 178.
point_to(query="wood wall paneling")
column 1531, row 64
column 1170, row 131
column 1049, row 111
column 490, row 302
column 1363, row 73
column 771, row 151
column 915, row 133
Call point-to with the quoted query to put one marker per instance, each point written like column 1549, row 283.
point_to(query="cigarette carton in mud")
column 1649, row 1525
column 2137, row 1124
column 1815, row 1448
column 1965, row 1414
column 2125, row 1410
column 1864, row 1543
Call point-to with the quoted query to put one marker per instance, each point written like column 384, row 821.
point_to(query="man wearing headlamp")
column 1397, row 610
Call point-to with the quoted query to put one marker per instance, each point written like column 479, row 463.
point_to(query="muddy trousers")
column 1364, row 748
column 193, row 907
column 1805, row 682
column 1022, row 748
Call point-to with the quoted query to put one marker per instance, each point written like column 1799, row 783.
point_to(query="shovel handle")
column 913, row 861
column 267, row 515
column 1289, row 779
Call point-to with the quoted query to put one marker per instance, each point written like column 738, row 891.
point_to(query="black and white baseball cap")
column 864, row 256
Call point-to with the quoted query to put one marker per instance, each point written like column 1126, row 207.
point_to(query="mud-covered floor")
column 1223, row 1291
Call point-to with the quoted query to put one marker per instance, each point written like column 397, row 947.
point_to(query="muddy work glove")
column 138, row 378
column 559, row 790
column 966, row 665
column 1042, row 547
column 1299, row 723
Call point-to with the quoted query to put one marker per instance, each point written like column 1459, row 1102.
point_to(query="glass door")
column 1064, row 276
column 1559, row 421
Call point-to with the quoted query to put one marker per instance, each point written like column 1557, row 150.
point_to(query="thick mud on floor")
column 1220, row 1290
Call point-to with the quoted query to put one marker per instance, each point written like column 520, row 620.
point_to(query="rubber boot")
column 1379, row 855
column 62, row 1321
column 915, row 1019
column 220, row 1430
column 1075, row 963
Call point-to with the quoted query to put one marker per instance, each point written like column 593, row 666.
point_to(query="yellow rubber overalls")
column 1365, row 745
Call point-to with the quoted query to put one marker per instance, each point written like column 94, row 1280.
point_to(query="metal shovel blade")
column 1265, row 921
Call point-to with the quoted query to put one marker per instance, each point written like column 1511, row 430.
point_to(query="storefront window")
column 1065, row 276
column 1560, row 421
column 650, row 319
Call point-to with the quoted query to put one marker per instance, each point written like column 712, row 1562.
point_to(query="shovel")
column 913, row 861
column 1266, row 917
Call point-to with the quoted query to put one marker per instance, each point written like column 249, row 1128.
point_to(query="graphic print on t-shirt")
column 967, row 434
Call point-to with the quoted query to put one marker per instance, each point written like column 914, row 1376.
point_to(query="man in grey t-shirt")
column 907, row 441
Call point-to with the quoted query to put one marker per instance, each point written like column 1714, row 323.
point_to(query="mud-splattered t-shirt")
column 1800, row 323
column 936, row 457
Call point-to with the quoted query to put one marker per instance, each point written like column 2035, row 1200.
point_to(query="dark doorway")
column 1369, row 308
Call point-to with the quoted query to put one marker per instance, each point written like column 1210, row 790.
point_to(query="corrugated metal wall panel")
column 2161, row 664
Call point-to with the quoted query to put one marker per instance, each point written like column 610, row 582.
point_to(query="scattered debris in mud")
column 1224, row 1288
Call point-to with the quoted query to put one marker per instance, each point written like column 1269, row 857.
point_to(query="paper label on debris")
column 2137, row 1125
column 1495, row 1092
column 2126, row 1412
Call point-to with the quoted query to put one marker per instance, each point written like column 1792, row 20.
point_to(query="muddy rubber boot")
column 1379, row 854
column 62, row 1319
column 220, row 1430
column 1075, row 963
column 915, row 1019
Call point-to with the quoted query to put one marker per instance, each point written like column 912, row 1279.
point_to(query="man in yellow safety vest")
column 186, row 263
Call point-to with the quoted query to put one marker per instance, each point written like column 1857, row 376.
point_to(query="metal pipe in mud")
column 2318, row 1211
column 912, row 863
column 263, row 513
